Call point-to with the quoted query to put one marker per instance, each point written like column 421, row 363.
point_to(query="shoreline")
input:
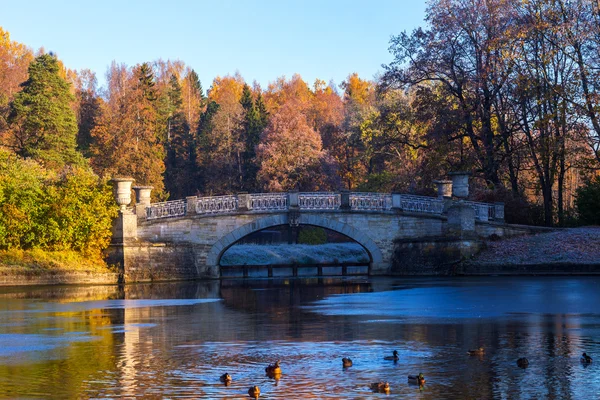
column 566, row 251
column 562, row 251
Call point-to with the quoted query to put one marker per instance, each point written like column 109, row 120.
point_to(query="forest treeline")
column 509, row 90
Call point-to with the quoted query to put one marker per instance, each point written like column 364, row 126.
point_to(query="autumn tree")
column 467, row 50
column 127, row 136
column 41, row 120
column 224, row 161
column 14, row 61
column 291, row 153
column 579, row 39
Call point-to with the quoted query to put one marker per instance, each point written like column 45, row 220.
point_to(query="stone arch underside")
column 214, row 255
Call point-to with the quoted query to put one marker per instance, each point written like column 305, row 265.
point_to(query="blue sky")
column 261, row 39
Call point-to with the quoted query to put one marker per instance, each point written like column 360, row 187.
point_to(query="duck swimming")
column 273, row 369
column 380, row 387
column 586, row 359
column 392, row 358
column 225, row 378
column 254, row 391
column 346, row 362
column 522, row 362
column 417, row 379
column 477, row 352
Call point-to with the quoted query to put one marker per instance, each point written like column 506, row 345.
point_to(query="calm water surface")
column 175, row 340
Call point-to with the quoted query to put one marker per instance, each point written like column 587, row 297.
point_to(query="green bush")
column 312, row 236
column 41, row 209
column 587, row 202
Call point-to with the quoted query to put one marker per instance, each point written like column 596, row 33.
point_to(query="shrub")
column 587, row 202
column 312, row 236
column 40, row 209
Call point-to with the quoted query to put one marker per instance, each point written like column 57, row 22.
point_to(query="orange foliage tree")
column 290, row 153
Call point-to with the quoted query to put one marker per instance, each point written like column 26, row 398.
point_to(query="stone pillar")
column 190, row 202
column 461, row 220
column 484, row 211
column 293, row 201
column 444, row 189
column 244, row 201
column 345, row 200
column 142, row 199
column 125, row 225
column 460, row 184
column 499, row 212
column 397, row 201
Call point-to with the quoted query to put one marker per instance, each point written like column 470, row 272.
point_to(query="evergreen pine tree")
column 196, row 84
column 146, row 80
column 251, row 131
column 41, row 117
column 263, row 114
column 203, row 143
column 181, row 169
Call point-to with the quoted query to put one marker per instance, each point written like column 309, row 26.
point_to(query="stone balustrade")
column 213, row 204
column 419, row 204
column 315, row 201
column 168, row 209
column 268, row 201
column 319, row 201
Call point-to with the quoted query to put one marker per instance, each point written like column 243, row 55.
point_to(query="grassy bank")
column 38, row 262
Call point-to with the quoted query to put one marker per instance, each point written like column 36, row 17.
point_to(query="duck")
column 477, row 352
column 225, row 378
column 380, row 387
column 346, row 362
column 522, row 362
column 254, row 391
column 417, row 379
column 273, row 369
column 392, row 358
column 586, row 359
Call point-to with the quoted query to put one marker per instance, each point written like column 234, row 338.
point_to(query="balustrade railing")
column 422, row 204
column 319, row 201
column 370, row 201
column 325, row 201
column 216, row 204
column 169, row 209
column 483, row 211
column 268, row 201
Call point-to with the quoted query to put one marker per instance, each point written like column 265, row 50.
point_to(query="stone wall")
column 60, row 278
column 151, row 262
column 431, row 256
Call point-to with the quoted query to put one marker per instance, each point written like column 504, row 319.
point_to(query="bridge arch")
column 214, row 255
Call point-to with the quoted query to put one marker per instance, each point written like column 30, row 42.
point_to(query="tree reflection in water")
column 177, row 339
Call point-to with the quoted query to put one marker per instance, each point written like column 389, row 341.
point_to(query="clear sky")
column 262, row 39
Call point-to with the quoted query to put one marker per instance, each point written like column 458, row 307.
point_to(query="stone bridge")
column 185, row 239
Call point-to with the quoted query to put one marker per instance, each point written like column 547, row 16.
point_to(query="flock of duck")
column 274, row 371
column 524, row 362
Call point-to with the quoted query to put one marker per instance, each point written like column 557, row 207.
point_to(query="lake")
column 174, row 340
